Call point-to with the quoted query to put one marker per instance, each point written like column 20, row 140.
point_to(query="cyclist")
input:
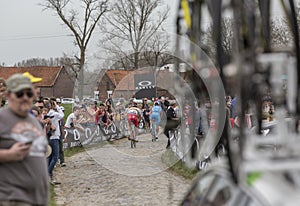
column 134, row 114
column 155, row 116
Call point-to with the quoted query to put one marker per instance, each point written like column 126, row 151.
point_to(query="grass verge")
column 68, row 153
column 51, row 201
column 73, row 150
column 177, row 166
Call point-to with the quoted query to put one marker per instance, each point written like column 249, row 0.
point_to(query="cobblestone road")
column 115, row 174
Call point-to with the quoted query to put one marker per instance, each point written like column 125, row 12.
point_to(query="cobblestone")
column 115, row 174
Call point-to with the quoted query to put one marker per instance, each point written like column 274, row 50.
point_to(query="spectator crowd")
column 32, row 128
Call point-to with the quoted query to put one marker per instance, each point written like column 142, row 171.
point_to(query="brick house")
column 121, row 83
column 56, row 80
column 109, row 82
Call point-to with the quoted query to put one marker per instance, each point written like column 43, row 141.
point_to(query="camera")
column 47, row 116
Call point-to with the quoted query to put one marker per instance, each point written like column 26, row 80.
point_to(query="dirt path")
column 115, row 174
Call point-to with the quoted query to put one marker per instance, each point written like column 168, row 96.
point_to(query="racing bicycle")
column 133, row 140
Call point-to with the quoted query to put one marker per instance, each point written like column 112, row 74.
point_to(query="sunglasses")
column 20, row 94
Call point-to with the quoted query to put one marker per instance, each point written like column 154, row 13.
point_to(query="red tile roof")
column 116, row 75
column 49, row 74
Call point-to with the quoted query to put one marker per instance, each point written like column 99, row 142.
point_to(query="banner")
column 81, row 136
column 145, row 85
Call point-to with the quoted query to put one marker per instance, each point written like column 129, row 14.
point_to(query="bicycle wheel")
column 132, row 142
column 153, row 131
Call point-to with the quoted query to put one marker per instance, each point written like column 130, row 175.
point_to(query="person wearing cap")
column 34, row 80
column 24, row 177
column 58, row 101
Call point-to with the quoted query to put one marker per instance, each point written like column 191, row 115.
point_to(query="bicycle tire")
column 153, row 131
column 132, row 142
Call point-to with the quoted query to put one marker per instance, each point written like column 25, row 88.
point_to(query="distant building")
column 56, row 80
column 123, row 83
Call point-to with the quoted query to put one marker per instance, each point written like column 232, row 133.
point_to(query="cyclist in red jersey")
column 133, row 115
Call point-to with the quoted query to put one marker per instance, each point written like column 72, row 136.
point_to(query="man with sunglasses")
column 24, row 176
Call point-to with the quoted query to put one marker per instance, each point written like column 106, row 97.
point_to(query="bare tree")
column 131, row 24
column 281, row 35
column 227, row 37
column 93, row 10
column 156, row 53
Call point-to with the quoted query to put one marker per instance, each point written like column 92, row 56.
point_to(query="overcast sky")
column 28, row 32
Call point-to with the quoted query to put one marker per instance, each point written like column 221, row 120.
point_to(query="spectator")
column 85, row 103
column 34, row 80
column 82, row 118
column 161, row 102
column 101, row 112
column 172, row 122
column 72, row 118
column 46, row 120
column 146, row 113
column 46, row 101
column 110, row 110
column 91, row 113
column 77, row 102
column 58, row 101
column 36, row 111
column 188, row 116
column 203, row 123
column 233, row 107
column 2, row 92
column 57, row 114
column 104, row 120
column 40, row 103
column 23, row 179
column 167, row 103
column 61, row 139
column 110, row 100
